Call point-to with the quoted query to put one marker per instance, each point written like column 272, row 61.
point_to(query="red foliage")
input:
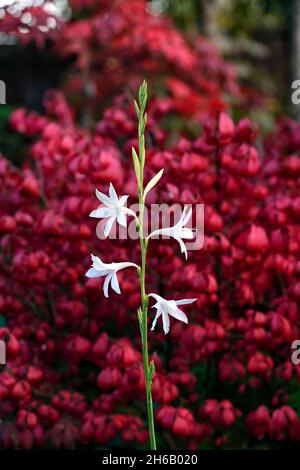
column 141, row 45
column 29, row 23
column 106, row 37
column 74, row 375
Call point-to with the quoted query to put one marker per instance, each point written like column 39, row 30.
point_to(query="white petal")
column 170, row 305
column 182, row 246
column 101, row 212
column 108, row 226
column 99, row 265
column 104, row 268
column 113, row 195
column 123, row 200
column 162, row 231
column 158, row 314
column 157, row 305
column 92, row 272
column 103, row 198
column 185, row 301
column 96, row 259
column 124, row 264
column 166, row 322
column 187, row 212
column 115, row 284
column 179, row 315
column 157, row 297
column 186, row 233
column 106, row 283
column 121, row 219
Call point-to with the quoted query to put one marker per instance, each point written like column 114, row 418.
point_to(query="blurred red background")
column 74, row 374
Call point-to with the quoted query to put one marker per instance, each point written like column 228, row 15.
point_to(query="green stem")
column 143, row 315
column 144, row 320
column 144, row 335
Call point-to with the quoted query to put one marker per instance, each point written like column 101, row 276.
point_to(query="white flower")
column 178, row 231
column 109, row 270
column 166, row 308
column 113, row 209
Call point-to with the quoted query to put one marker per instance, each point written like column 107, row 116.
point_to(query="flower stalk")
column 139, row 162
column 114, row 209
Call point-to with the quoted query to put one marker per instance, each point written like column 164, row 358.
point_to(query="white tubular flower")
column 109, row 270
column 166, row 308
column 113, row 209
column 178, row 232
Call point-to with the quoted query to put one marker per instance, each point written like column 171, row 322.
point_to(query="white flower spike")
column 109, row 270
column 114, row 209
column 166, row 308
column 179, row 232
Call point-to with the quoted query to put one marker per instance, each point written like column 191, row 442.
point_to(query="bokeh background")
column 222, row 124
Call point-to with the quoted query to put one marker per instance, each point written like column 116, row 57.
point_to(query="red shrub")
column 74, row 371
